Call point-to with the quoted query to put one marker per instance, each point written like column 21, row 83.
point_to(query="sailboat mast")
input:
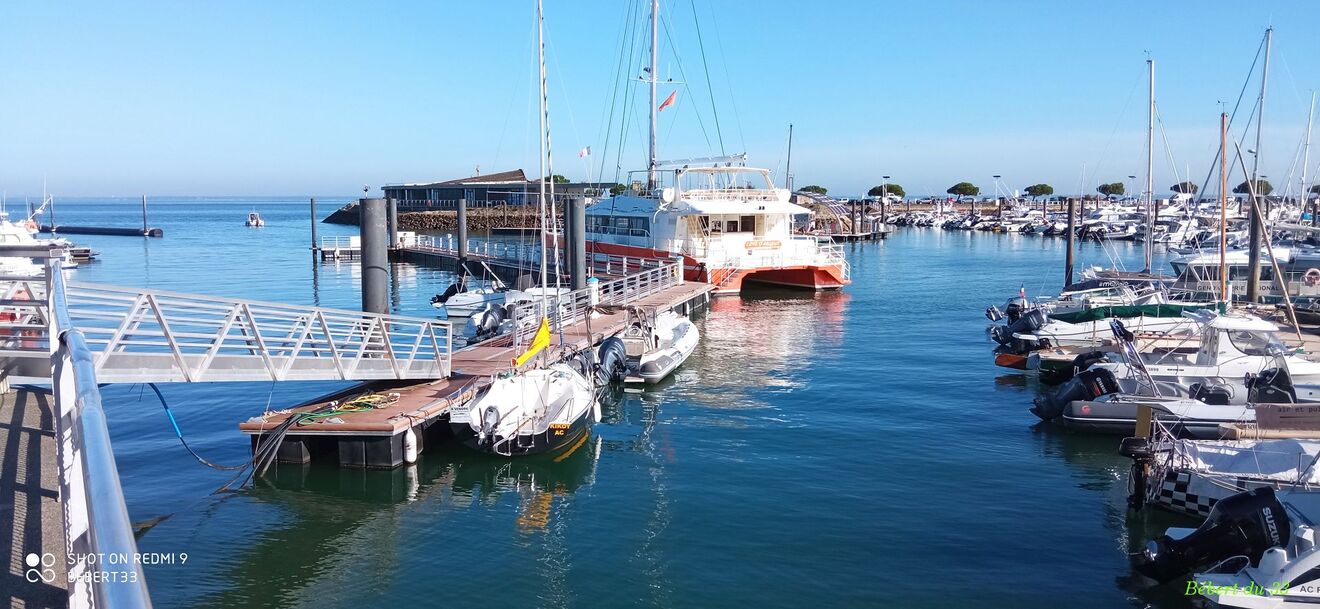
column 655, row 43
column 540, row 136
column 1254, row 230
column 788, row 169
column 1223, row 206
column 1152, row 213
column 1306, row 156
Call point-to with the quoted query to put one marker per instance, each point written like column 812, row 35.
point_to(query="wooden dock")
column 374, row 438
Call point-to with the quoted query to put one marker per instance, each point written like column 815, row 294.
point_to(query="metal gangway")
column 76, row 336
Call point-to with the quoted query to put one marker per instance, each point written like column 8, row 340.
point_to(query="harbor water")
column 850, row 449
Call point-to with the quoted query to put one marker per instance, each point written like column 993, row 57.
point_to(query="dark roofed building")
column 503, row 188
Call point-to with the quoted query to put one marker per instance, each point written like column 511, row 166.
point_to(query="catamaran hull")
column 730, row 281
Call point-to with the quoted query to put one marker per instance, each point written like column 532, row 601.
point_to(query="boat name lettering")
column 762, row 244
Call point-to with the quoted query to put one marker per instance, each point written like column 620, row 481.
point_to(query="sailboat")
column 538, row 410
column 728, row 222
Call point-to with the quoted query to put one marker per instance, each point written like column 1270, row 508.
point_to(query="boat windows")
column 731, row 226
column 619, row 225
column 1255, row 343
column 748, row 223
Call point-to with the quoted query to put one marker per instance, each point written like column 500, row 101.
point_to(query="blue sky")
column 302, row 98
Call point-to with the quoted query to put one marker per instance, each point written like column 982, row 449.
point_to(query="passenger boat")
column 728, row 222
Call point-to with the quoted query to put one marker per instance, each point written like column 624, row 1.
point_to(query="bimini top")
column 1231, row 322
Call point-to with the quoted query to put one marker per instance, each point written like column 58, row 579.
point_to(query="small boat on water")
column 254, row 220
column 469, row 296
column 529, row 412
column 657, row 345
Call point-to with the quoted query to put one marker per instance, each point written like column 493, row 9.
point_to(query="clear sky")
column 303, row 98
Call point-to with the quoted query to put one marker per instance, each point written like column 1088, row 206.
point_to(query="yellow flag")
column 539, row 342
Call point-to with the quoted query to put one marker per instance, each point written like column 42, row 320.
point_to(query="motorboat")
column 254, row 220
column 467, row 296
column 1231, row 347
column 656, row 345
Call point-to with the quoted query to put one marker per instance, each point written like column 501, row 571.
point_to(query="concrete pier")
column 31, row 517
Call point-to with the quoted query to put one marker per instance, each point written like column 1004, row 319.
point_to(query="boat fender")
column 410, row 446
column 612, row 361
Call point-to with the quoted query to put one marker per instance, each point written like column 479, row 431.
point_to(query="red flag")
column 668, row 101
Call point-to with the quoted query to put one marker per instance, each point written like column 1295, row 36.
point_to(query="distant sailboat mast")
column 1152, row 213
column 1306, row 158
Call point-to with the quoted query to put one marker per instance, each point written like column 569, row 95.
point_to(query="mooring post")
column 576, row 229
column 375, row 257
column 393, row 222
column 144, row 215
column 314, row 244
column 1072, row 234
column 462, row 234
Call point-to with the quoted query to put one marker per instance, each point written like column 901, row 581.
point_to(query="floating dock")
column 101, row 230
column 374, row 438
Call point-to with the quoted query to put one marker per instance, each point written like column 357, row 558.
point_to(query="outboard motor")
column 611, row 361
column 448, row 293
column 993, row 313
column 1246, row 524
column 1213, row 394
column 1020, row 322
column 1088, row 385
column 1080, row 364
column 1139, row 450
column 485, row 324
column 1271, row 386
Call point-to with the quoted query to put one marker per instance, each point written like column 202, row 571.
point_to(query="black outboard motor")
column 1088, row 385
column 611, row 361
column 1246, row 524
column 1080, row 364
column 993, row 313
column 1271, row 386
column 485, row 324
column 1020, row 322
column 444, row 296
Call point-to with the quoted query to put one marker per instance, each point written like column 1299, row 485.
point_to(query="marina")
column 737, row 336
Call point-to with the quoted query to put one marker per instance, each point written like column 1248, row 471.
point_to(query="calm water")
column 833, row 450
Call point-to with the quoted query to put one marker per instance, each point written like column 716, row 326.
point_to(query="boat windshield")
column 1253, row 342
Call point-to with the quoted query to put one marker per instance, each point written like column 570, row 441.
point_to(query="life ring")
column 1312, row 276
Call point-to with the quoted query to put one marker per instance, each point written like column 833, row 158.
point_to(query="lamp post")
column 1132, row 186
column 999, row 207
column 884, row 200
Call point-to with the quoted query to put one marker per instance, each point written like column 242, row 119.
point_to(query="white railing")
column 530, row 254
column 567, row 309
column 150, row 335
column 341, row 242
column 729, row 194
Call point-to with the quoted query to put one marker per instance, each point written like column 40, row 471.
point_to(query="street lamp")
column 999, row 208
column 1132, row 186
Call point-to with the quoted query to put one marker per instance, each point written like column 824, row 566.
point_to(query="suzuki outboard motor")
column 1246, row 524
column 1088, row 385
column 611, row 361
column 1020, row 323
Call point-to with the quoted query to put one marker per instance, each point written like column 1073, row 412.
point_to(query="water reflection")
column 336, row 522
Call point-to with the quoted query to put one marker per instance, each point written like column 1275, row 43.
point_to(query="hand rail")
column 96, row 522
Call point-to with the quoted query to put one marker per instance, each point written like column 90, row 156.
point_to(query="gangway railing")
column 157, row 336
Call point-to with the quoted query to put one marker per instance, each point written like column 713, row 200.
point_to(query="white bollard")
column 593, row 291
